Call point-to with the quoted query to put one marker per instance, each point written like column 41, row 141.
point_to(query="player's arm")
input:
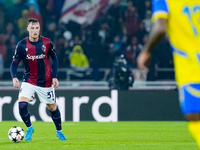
column 156, row 33
column 13, row 71
column 14, row 66
column 160, row 17
column 54, row 65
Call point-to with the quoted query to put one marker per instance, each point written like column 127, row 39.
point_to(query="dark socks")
column 55, row 115
column 24, row 113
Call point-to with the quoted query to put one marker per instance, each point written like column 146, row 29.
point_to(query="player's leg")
column 25, row 115
column 47, row 96
column 194, row 126
column 55, row 115
column 190, row 106
column 24, row 96
column 23, row 110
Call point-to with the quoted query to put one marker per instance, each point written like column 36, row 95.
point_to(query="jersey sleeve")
column 16, row 59
column 52, row 51
column 54, row 60
column 18, row 55
column 159, row 9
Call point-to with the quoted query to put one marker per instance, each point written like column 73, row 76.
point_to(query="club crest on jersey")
column 44, row 48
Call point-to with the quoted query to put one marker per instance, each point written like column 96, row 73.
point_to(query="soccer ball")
column 16, row 134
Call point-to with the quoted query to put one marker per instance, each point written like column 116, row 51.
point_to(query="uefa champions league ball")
column 16, row 134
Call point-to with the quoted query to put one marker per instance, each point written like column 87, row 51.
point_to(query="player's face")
column 34, row 31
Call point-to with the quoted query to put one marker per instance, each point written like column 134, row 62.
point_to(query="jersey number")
column 189, row 12
column 50, row 94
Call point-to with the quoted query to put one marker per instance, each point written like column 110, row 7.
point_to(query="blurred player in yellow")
column 181, row 20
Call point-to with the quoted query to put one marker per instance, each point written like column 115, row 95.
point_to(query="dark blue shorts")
column 189, row 96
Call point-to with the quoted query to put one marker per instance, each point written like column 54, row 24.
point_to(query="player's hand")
column 16, row 82
column 143, row 60
column 55, row 82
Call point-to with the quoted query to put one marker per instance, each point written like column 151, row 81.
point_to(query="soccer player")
column 40, row 76
column 180, row 19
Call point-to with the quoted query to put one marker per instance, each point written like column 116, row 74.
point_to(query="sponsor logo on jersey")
column 42, row 56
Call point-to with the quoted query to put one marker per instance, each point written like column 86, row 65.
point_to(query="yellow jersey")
column 183, row 28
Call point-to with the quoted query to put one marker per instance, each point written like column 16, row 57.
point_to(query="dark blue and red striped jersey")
column 36, row 58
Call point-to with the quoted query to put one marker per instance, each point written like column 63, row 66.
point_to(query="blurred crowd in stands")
column 121, row 29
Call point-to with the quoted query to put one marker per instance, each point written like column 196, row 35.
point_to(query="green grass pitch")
column 135, row 135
